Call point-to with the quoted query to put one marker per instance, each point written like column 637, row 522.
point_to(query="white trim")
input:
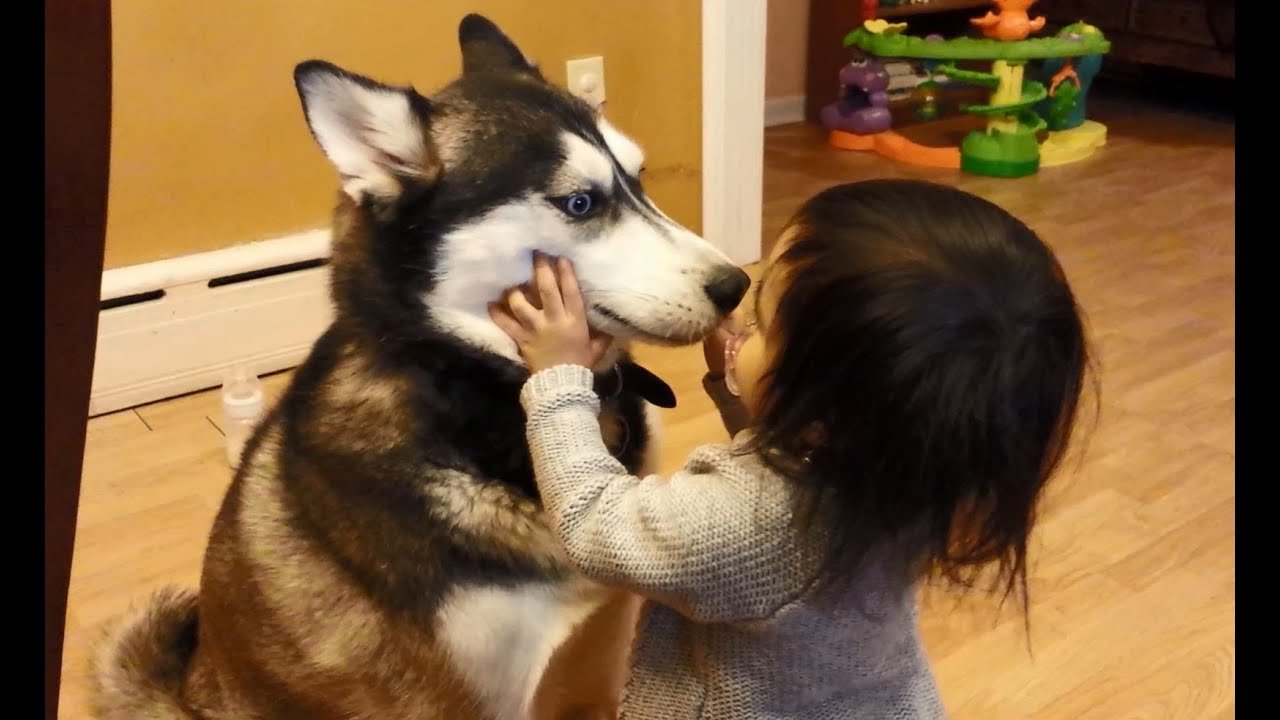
column 204, row 266
column 783, row 110
column 733, row 62
column 187, row 340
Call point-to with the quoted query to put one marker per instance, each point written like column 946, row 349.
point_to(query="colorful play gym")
column 1035, row 114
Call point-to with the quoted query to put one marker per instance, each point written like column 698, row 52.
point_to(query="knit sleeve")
column 713, row 541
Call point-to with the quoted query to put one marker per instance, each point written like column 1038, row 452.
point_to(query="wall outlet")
column 585, row 78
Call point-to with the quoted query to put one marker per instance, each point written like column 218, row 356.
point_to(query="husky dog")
column 381, row 551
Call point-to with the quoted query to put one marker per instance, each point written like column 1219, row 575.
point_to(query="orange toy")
column 1067, row 71
column 896, row 147
column 1011, row 23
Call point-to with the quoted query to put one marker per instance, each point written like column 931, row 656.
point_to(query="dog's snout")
column 726, row 288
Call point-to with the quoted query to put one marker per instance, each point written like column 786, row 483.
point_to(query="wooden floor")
column 1134, row 572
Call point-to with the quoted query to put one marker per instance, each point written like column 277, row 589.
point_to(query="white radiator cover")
column 186, row 340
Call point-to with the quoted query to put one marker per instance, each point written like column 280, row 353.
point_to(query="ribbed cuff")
column 555, row 381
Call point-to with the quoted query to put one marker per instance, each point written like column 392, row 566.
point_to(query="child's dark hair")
column 931, row 357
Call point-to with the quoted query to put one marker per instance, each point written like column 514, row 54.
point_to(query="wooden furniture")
column 1190, row 35
column 77, row 112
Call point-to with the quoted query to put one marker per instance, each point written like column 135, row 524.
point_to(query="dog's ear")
column 486, row 49
column 375, row 135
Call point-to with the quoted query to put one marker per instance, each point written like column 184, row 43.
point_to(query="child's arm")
column 732, row 412
column 714, row 541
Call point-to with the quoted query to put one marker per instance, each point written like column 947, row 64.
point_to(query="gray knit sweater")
column 733, row 631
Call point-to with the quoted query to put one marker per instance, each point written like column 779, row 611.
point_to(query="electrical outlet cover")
column 585, row 78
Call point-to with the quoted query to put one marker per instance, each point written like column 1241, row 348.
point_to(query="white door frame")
column 733, row 64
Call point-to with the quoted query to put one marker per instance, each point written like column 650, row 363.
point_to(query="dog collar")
column 637, row 379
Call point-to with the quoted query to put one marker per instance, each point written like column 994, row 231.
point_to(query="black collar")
column 636, row 379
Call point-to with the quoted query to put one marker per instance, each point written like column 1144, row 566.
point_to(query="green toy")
column 1069, row 77
column 901, row 45
column 1062, row 105
column 926, row 93
column 1009, row 146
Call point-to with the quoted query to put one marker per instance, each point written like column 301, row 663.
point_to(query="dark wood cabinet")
column 1192, row 35
column 77, row 131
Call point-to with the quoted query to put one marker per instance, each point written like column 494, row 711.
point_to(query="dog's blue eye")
column 578, row 205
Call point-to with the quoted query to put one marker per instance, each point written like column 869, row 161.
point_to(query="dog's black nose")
column 726, row 288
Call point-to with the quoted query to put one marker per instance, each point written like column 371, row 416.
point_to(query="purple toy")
column 863, row 107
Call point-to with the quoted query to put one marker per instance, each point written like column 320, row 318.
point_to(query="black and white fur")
column 381, row 552
column 517, row 160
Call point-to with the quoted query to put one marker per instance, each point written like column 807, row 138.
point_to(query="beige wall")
column 787, row 38
column 209, row 148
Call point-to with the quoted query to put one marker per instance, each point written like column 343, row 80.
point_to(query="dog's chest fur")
column 414, row 485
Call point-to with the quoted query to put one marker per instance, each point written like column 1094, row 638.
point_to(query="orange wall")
column 209, row 147
column 785, row 44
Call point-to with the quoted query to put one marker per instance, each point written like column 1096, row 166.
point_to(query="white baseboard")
column 783, row 110
column 186, row 340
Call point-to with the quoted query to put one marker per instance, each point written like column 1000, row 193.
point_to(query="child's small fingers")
column 548, row 288
column 569, row 289
column 530, row 293
column 522, row 309
column 507, row 323
column 599, row 346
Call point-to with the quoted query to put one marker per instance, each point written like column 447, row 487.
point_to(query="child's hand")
column 556, row 333
column 713, row 344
